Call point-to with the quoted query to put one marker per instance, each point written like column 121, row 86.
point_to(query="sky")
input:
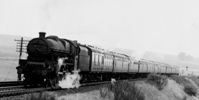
column 163, row 26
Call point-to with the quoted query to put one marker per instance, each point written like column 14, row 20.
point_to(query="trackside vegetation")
column 124, row 90
column 40, row 96
column 189, row 87
column 159, row 81
column 155, row 87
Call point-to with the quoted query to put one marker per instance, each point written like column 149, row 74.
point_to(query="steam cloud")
column 70, row 80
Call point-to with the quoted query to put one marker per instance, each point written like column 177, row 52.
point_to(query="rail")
column 11, row 83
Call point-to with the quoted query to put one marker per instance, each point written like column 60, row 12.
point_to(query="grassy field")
column 8, row 55
column 8, row 70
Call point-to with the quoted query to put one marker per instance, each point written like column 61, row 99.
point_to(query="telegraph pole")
column 21, row 48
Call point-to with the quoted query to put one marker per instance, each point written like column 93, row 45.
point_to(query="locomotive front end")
column 42, row 67
column 36, row 69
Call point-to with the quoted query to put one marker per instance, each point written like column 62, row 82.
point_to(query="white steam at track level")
column 70, row 80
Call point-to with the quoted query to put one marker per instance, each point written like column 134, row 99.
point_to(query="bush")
column 195, row 79
column 123, row 90
column 190, row 90
column 180, row 80
column 104, row 91
column 158, row 80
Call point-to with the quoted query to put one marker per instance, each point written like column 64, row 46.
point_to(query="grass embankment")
column 40, row 96
column 190, row 87
column 156, row 87
column 157, row 80
column 123, row 90
column 8, row 70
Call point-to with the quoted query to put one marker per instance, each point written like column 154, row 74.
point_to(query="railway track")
column 19, row 90
column 10, row 87
column 12, row 91
column 11, row 83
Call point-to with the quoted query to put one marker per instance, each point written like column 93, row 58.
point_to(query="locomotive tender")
column 41, row 66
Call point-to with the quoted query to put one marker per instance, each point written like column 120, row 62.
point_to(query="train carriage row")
column 92, row 59
column 50, row 58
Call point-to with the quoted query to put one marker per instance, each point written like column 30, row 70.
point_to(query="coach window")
column 102, row 59
column 92, row 58
column 107, row 60
column 122, row 62
column 96, row 58
column 111, row 62
column 99, row 59
column 114, row 62
column 148, row 67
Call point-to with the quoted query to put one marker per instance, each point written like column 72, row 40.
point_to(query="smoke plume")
column 70, row 80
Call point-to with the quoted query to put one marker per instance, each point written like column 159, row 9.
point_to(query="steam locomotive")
column 95, row 64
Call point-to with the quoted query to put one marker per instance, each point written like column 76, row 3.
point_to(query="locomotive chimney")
column 42, row 34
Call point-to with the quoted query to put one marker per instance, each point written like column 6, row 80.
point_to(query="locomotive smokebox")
column 42, row 35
